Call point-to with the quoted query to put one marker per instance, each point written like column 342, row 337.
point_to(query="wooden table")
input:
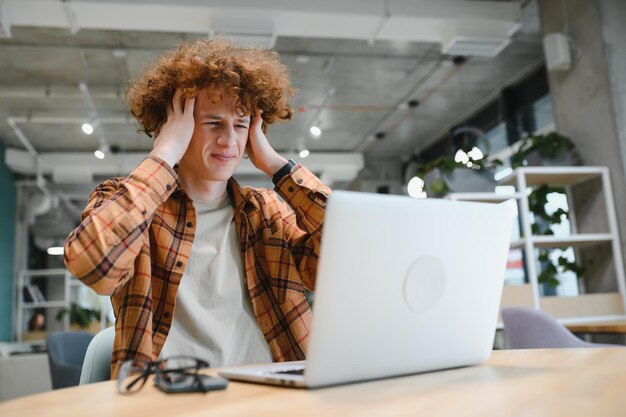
column 606, row 326
column 551, row 382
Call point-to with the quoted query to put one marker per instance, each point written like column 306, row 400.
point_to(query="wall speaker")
column 558, row 52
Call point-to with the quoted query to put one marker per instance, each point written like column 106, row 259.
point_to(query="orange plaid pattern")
column 135, row 238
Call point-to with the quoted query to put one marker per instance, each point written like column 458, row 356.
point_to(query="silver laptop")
column 403, row 286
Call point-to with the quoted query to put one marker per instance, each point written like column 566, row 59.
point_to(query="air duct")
column 5, row 21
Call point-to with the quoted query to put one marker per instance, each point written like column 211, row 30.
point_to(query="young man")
column 196, row 264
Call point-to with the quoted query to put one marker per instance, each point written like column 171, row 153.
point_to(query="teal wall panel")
column 7, row 242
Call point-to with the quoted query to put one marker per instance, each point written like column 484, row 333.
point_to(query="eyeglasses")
column 176, row 374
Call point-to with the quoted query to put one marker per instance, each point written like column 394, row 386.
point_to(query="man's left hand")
column 260, row 152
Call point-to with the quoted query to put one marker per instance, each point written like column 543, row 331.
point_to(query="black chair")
column 66, row 352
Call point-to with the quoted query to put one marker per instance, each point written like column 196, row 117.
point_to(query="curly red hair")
column 254, row 75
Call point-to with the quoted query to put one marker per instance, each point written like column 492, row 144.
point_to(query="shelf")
column 483, row 197
column 578, row 241
column 553, row 175
column 599, row 322
column 46, row 304
column 47, row 273
column 608, row 325
column 584, row 306
column 62, row 294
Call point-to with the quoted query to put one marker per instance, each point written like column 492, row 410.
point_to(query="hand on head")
column 260, row 151
column 174, row 136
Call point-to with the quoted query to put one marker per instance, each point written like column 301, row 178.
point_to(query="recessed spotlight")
column 315, row 131
column 87, row 128
column 304, row 153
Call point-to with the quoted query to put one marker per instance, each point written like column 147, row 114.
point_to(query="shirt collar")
column 240, row 201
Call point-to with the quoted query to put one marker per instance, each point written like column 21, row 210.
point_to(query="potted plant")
column 80, row 317
column 447, row 173
column 537, row 201
column 549, row 149
column 557, row 150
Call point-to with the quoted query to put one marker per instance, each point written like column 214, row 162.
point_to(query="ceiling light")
column 119, row 53
column 101, row 152
column 315, row 131
column 55, row 250
column 87, row 128
column 302, row 59
column 415, row 187
column 304, row 153
column 505, row 172
column 461, row 157
column 476, row 154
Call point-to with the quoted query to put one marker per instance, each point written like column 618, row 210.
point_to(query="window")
column 542, row 113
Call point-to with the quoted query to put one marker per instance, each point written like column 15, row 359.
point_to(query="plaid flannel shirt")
column 135, row 238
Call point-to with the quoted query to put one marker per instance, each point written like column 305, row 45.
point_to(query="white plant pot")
column 563, row 159
column 462, row 180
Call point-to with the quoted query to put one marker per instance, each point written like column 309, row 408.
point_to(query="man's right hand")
column 175, row 134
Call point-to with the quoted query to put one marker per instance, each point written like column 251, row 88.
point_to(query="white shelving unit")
column 23, row 307
column 584, row 307
column 61, row 297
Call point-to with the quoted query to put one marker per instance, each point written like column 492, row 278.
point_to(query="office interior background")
column 431, row 99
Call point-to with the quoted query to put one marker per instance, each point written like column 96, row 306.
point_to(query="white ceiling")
column 350, row 86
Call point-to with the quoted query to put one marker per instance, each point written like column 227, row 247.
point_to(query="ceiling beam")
column 82, row 167
column 400, row 20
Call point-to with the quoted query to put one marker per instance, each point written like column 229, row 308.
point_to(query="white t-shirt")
column 213, row 318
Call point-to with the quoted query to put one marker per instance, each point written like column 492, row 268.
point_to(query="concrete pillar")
column 613, row 14
column 588, row 105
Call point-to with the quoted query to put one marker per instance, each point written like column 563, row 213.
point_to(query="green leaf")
column 439, row 186
column 548, row 146
column 553, row 282
column 543, row 277
column 551, row 269
column 79, row 315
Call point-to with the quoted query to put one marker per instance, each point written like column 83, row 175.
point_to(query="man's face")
column 219, row 137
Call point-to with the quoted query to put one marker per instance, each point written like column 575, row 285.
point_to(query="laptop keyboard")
column 292, row 372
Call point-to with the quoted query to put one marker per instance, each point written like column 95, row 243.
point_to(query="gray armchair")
column 66, row 352
column 526, row 328
column 97, row 363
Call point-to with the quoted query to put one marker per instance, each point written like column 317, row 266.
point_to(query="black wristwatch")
column 286, row 169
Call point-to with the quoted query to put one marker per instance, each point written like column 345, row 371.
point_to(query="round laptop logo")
column 424, row 284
